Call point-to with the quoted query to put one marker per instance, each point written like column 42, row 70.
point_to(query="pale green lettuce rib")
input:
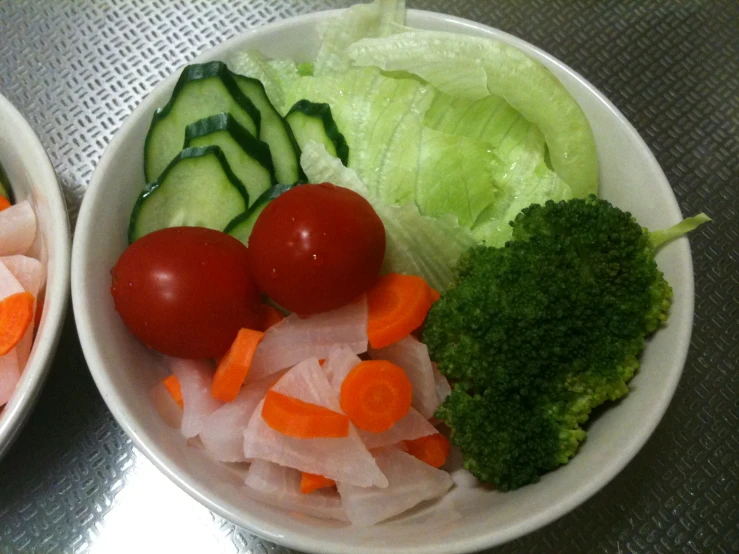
column 446, row 59
column 415, row 244
column 275, row 75
column 378, row 19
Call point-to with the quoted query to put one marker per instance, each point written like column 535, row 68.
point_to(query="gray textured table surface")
column 76, row 68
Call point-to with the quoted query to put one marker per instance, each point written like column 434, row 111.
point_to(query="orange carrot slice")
column 270, row 316
column 16, row 314
column 172, row 385
column 310, row 482
column 434, row 294
column 4, row 203
column 234, row 366
column 302, row 420
column 375, row 395
column 432, row 449
column 398, row 304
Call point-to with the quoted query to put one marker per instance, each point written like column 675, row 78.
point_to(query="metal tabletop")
column 74, row 482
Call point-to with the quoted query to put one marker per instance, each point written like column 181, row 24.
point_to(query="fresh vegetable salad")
column 22, row 279
column 355, row 265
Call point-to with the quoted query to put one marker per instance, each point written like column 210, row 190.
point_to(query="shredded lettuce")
column 658, row 238
column 416, row 244
column 446, row 60
column 378, row 19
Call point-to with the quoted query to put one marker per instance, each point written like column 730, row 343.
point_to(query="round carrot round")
column 375, row 395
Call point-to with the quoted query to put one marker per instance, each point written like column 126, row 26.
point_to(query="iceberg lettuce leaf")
column 416, row 244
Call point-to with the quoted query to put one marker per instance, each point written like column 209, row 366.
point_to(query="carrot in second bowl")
column 16, row 314
column 234, row 366
column 302, row 420
column 398, row 304
column 375, row 395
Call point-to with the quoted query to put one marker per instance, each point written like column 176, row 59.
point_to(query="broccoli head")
column 538, row 333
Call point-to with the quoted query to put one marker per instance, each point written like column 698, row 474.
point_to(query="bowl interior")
column 465, row 519
column 32, row 178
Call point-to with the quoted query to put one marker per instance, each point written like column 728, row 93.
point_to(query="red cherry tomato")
column 186, row 291
column 316, row 247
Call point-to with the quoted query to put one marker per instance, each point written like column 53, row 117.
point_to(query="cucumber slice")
column 197, row 189
column 248, row 157
column 241, row 226
column 313, row 121
column 4, row 185
column 275, row 131
column 201, row 91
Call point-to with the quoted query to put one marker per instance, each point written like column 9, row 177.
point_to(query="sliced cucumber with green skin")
column 275, row 131
column 201, row 91
column 248, row 157
column 4, row 185
column 313, row 121
column 197, row 189
column 241, row 226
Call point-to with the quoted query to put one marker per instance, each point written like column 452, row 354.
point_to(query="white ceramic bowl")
column 465, row 519
column 32, row 178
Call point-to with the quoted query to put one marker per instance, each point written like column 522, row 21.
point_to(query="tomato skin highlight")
column 186, row 291
column 315, row 248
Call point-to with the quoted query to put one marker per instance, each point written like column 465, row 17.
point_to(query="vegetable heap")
column 541, row 331
column 22, row 277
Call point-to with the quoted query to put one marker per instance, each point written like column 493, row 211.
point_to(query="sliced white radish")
column 222, row 431
column 413, row 356
column 295, row 339
column 195, row 377
column 9, row 285
column 411, row 481
column 280, row 486
column 443, row 389
column 17, row 229
column 340, row 361
column 341, row 459
column 410, row 427
column 166, row 406
column 9, row 375
column 29, row 273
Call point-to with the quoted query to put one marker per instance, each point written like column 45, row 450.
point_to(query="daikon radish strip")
column 411, row 481
column 9, row 375
column 280, row 486
column 166, row 405
column 412, row 426
column 345, row 459
column 222, row 431
column 443, row 389
column 195, row 377
column 340, row 361
column 295, row 339
column 17, row 228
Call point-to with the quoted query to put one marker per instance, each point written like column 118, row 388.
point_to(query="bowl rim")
column 19, row 407
column 277, row 533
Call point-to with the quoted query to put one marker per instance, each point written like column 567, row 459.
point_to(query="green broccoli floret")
column 538, row 333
